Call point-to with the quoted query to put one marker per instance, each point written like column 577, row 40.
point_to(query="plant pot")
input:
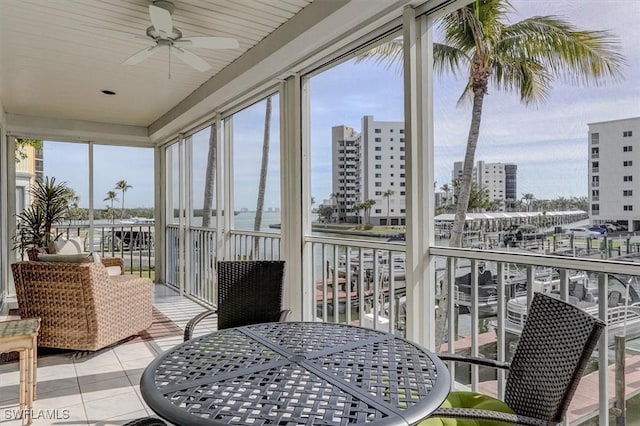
column 32, row 253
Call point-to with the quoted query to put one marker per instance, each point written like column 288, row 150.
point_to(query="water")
column 244, row 221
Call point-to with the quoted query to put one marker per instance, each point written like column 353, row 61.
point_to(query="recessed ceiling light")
column 108, row 92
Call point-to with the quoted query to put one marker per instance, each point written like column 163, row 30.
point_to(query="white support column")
column 160, row 211
column 295, row 203
column 220, row 188
column 187, row 189
column 421, row 300
column 181, row 232
column 306, row 279
column 228, row 185
column 91, row 206
column 8, row 208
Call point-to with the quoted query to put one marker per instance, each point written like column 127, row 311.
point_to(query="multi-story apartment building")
column 346, row 186
column 366, row 166
column 499, row 179
column 614, row 187
column 28, row 169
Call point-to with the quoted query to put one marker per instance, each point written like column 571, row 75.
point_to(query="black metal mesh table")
column 291, row 373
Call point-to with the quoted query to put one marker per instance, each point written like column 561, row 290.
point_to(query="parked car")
column 622, row 227
column 582, row 232
column 610, row 227
column 599, row 229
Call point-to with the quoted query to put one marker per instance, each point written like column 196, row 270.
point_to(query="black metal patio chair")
column 554, row 348
column 249, row 292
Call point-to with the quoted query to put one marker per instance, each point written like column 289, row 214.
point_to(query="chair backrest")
column 554, row 348
column 614, row 299
column 249, row 292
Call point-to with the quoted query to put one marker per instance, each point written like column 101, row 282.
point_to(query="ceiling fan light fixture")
column 167, row 38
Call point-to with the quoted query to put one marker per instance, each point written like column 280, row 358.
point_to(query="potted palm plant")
column 35, row 227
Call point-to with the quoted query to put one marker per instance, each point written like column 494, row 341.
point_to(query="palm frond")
column 388, row 54
column 569, row 54
column 449, row 59
column 523, row 75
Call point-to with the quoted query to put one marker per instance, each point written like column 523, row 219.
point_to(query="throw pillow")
column 70, row 246
column 65, row 258
column 114, row 271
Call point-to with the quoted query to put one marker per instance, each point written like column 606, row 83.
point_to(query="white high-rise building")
column 366, row 166
column 499, row 179
column 346, row 185
column 614, row 187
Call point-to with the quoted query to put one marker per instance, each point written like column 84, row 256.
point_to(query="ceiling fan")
column 166, row 37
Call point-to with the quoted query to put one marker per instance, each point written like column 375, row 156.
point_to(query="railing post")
column 620, row 410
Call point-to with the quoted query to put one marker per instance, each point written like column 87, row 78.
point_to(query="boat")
column 623, row 305
column 138, row 221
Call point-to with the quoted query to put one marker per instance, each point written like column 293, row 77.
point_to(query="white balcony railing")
column 363, row 282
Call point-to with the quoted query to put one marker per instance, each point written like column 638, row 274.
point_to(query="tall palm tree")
column 525, row 57
column 122, row 185
column 111, row 197
column 210, row 177
column 263, row 172
column 387, row 194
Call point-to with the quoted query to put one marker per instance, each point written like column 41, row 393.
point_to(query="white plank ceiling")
column 57, row 55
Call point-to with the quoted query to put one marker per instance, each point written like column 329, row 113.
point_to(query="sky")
column 548, row 142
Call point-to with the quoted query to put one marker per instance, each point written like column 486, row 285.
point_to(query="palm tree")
column 387, row 194
column 357, row 207
column 527, row 199
column 209, row 177
column 263, row 172
column 525, row 57
column 122, row 185
column 367, row 204
column 446, row 189
column 111, row 197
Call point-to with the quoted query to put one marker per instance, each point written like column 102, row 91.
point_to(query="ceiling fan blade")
column 208, row 42
column 191, row 59
column 141, row 55
column 161, row 20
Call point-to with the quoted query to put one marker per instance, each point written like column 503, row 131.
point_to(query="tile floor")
column 99, row 390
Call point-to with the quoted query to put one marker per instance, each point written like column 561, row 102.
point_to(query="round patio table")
column 290, row 373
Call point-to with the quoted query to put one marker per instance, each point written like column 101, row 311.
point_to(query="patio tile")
column 52, row 402
column 122, row 419
column 57, row 387
column 77, row 416
column 98, row 377
column 104, row 388
column 58, row 371
column 134, row 351
column 135, row 364
column 116, row 405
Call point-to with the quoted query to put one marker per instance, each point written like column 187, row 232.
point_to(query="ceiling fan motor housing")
column 165, row 4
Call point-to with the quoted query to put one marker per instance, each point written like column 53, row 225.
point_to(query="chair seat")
column 469, row 400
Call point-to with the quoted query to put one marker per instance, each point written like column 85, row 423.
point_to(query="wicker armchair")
column 554, row 349
column 81, row 307
column 249, row 292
